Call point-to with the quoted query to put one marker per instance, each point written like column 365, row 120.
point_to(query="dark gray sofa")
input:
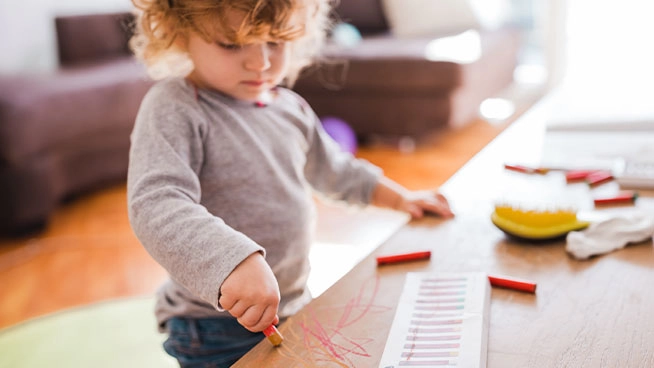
column 387, row 86
column 67, row 132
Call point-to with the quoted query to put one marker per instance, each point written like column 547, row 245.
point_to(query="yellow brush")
column 532, row 224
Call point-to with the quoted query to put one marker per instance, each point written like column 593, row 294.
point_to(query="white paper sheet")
column 441, row 320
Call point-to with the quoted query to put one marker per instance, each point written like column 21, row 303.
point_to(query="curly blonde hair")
column 163, row 25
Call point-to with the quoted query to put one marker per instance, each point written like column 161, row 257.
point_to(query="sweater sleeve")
column 164, row 198
column 333, row 172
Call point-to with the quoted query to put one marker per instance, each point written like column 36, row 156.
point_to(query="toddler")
column 224, row 162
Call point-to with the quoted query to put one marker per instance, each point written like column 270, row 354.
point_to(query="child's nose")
column 258, row 58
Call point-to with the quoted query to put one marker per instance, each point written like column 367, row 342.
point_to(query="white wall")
column 27, row 39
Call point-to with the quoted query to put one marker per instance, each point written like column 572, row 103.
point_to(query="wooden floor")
column 88, row 252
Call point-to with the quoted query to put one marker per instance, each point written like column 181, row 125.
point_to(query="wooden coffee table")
column 591, row 313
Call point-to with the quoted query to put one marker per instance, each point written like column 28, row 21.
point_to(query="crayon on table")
column 622, row 197
column 598, row 177
column 406, row 257
column 526, row 169
column 273, row 335
column 578, row 175
column 512, row 283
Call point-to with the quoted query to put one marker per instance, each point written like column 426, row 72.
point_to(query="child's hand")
column 251, row 294
column 417, row 203
column 390, row 194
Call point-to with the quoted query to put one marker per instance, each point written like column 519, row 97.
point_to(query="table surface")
column 585, row 313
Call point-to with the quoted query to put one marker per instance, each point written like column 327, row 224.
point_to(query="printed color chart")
column 441, row 320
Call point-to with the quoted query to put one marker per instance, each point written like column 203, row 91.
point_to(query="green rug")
column 118, row 333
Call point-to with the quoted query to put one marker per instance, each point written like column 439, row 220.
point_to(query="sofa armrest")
column 83, row 39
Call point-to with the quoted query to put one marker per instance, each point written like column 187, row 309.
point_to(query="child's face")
column 245, row 72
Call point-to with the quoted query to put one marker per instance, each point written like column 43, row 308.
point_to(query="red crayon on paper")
column 273, row 335
column 598, row 177
column 578, row 175
column 512, row 283
column 397, row 258
column 526, row 169
column 622, row 197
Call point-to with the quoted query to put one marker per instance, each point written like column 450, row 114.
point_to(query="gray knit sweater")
column 213, row 179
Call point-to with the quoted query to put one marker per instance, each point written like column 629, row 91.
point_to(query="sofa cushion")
column 366, row 15
column 65, row 133
column 425, row 17
column 389, row 87
column 87, row 38
column 41, row 113
column 387, row 65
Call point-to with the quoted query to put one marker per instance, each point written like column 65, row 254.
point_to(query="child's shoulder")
column 173, row 95
column 170, row 100
column 291, row 97
column 170, row 90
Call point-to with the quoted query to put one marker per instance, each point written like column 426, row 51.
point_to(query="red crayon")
column 578, row 175
column 397, row 258
column 622, row 197
column 526, row 169
column 273, row 335
column 512, row 283
column 598, row 177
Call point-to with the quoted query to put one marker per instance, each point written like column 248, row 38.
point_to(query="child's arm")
column 251, row 294
column 390, row 194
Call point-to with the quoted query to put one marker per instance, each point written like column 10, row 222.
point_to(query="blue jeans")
column 208, row 342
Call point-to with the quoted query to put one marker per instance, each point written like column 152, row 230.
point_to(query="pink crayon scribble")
column 331, row 343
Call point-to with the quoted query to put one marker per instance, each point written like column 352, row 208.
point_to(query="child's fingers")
column 258, row 318
column 440, row 208
column 227, row 302
column 441, row 198
column 436, row 204
column 238, row 309
column 254, row 315
column 415, row 210
column 251, row 317
column 250, row 293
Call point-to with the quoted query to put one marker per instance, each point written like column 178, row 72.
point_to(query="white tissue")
column 609, row 235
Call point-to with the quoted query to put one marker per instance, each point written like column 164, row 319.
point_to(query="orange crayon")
column 273, row 335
